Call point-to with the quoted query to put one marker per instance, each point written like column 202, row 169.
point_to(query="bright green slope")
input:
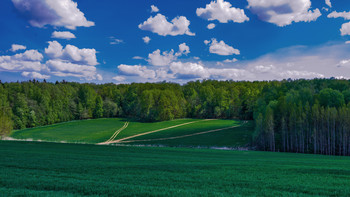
column 239, row 136
column 49, row 169
column 100, row 130
column 83, row 131
column 88, row 131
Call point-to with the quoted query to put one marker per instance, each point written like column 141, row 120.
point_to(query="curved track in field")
column 115, row 134
column 182, row 136
column 146, row 133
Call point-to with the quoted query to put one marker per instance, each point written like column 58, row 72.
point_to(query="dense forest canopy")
column 308, row 116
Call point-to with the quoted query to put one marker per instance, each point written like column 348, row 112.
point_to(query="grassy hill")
column 50, row 169
column 182, row 132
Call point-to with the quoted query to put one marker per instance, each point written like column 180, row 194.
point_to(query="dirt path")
column 141, row 134
column 115, row 134
column 182, row 136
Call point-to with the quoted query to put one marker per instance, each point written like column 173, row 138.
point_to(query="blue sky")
column 179, row 41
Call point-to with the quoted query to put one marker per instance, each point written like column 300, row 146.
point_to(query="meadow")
column 181, row 132
column 55, row 169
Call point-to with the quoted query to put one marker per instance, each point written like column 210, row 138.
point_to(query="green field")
column 185, row 132
column 50, row 169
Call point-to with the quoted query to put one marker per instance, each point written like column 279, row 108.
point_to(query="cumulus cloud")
column 137, row 70
column 71, row 53
column 222, row 11
column 35, row 75
column 16, row 47
column 119, row 78
column 211, row 26
column 63, row 13
column 146, row 39
column 160, row 25
column 63, row 35
column 335, row 14
column 284, row 12
column 156, row 58
column 345, row 29
column 183, row 49
column 27, row 61
column 328, row 2
column 154, row 8
column 221, row 48
column 63, row 68
column 189, row 70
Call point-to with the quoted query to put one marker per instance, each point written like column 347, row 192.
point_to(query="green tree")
column 98, row 111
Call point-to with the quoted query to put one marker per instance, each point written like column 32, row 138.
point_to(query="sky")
column 177, row 41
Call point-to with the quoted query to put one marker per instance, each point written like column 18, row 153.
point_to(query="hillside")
column 181, row 132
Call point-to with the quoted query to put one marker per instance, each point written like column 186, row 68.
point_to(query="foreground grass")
column 49, row 169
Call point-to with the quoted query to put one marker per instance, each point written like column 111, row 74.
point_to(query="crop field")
column 182, row 132
column 50, row 169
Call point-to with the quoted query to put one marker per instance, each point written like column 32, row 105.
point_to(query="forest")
column 304, row 116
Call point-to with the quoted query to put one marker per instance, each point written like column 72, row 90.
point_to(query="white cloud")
column 16, row 47
column 347, row 42
column 154, row 8
column 115, row 40
column 183, row 49
column 335, row 14
column 221, row 48
column 160, row 25
column 138, row 58
column 67, row 69
column 99, row 77
column 27, row 61
column 156, row 58
column 222, row 11
column 71, row 53
column 328, row 2
column 30, row 55
column 63, row 35
column 35, row 75
column 345, row 29
column 211, row 26
column 189, row 70
column 230, row 60
column 146, row 39
column 119, row 78
column 137, row 70
column 284, row 12
column 62, row 13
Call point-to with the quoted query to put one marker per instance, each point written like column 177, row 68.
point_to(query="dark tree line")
column 306, row 116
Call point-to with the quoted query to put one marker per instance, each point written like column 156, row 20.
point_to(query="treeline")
column 33, row 103
column 306, row 116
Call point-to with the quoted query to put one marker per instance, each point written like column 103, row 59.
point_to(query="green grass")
column 140, row 127
column 100, row 130
column 83, row 131
column 49, row 169
column 89, row 131
column 239, row 136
